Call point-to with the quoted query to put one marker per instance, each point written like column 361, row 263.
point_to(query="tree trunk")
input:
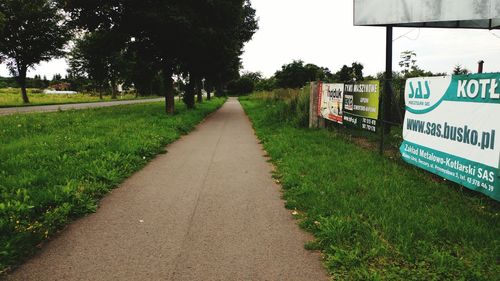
column 168, row 83
column 209, row 94
column 100, row 88
column 199, row 93
column 218, row 91
column 113, row 89
column 21, row 80
column 189, row 94
column 24, row 93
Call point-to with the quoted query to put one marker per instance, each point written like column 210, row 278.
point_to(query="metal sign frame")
column 475, row 14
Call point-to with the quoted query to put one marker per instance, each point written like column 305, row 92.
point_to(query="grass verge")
column 375, row 218
column 10, row 97
column 55, row 166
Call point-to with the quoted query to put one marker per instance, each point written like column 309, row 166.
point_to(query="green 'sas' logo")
column 419, row 92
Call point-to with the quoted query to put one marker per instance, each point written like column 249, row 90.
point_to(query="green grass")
column 375, row 218
column 55, row 166
column 11, row 97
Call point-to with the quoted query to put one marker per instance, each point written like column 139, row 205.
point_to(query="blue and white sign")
column 452, row 128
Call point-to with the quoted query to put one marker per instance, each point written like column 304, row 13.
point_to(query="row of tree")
column 138, row 42
column 294, row 75
column 297, row 74
column 36, row 82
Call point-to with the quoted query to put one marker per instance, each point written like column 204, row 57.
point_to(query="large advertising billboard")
column 428, row 13
column 452, row 129
column 331, row 99
column 361, row 105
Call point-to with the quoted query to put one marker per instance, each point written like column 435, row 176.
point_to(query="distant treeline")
column 36, row 82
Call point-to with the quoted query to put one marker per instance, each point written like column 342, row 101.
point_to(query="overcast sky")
column 322, row 32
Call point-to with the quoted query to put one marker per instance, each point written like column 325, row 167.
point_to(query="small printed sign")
column 361, row 105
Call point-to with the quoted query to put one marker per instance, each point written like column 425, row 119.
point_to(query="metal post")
column 385, row 108
column 480, row 66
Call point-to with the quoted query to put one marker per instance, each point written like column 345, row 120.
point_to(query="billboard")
column 361, row 105
column 452, row 129
column 331, row 97
column 428, row 13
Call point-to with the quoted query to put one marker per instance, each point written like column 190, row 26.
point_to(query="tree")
column 245, row 84
column 349, row 74
column 408, row 61
column 264, row 84
column 143, row 71
column 34, row 31
column 344, row 74
column 293, row 75
column 78, row 82
column 296, row 75
column 315, row 72
column 217, row 41
column 242, row 86
column 37, row 82
column 357, row 71
column 2, row 21
column 99, row 55
column 198, row 39
column 254, row 76
column 45, row 81
column 459, row 70
column 56, row 78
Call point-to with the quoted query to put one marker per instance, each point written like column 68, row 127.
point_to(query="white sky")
column 322, row 32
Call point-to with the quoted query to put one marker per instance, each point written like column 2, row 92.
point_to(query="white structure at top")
column 483, row 14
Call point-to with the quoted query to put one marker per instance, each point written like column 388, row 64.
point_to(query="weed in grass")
column 376, row 218
column 55, row 166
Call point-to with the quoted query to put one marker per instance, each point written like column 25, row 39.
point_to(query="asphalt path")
column 207, row 210
column 74, row 106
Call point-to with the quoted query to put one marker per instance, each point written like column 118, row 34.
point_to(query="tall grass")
column 289, row 105
column 375, row 218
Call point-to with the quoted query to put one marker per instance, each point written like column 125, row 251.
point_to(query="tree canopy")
column 196, row 39
column 460, row 70
column 2, row 21
column 349, row 73
column 33, row 31
column 297, row 74
column 99, row 56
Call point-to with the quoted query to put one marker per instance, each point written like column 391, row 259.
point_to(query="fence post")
column 315, row 121
column 313, row 105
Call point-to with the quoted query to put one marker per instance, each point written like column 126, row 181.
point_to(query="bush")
column 265, row 84
column 242, row 86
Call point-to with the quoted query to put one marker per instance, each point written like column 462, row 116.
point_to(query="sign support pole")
column 385, row 108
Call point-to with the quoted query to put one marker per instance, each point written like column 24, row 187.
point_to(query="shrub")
column 241, row 86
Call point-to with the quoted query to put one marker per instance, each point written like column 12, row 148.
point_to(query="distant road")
column 52, row 108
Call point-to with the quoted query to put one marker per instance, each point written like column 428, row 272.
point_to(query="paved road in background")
column 207, row 210
column 51, row 108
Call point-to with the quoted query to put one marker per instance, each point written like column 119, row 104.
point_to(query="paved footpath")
column 207, row 210
column 52, row 108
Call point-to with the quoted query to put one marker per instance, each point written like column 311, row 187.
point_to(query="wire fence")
column 390, row 123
